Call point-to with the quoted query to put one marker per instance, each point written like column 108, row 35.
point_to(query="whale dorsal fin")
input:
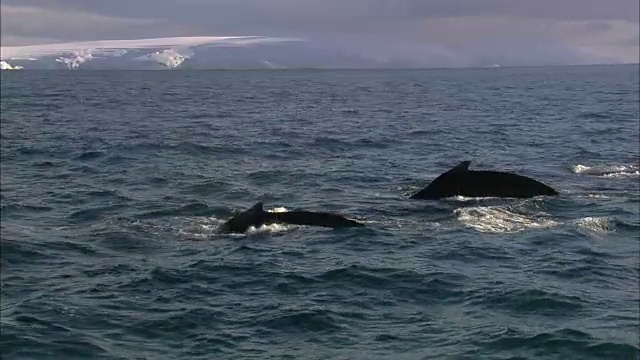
column 463, row 166
column 258, row 207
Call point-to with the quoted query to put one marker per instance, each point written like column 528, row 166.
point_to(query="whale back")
column 255, row 216
column 460, row 181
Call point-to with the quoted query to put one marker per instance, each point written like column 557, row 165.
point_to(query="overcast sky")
column 459, row 32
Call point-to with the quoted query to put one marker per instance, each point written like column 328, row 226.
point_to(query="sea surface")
column 114, row 184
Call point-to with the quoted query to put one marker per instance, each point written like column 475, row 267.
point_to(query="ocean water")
column 113, row 184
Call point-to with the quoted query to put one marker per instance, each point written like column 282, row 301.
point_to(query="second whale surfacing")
column 256, row 217
column 460, row 181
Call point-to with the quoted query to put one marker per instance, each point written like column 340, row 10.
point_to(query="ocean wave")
column 203, row 188
column 44, row 164
column 95, row 213
column 578, row 270
column 471, row 253
column 117, row 159
column 60, row 340
column 186, row 147
column 193, row 209
column 32, row 150
column 17, row 252
column 594, row 115
column 110, row 270
column 356, row 275
column 89, row 155
column 407, row 284
column 565, row 342
column 534, row 301
column 6, row 208
column 303, row 320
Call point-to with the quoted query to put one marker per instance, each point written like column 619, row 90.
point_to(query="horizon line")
column 341, row 68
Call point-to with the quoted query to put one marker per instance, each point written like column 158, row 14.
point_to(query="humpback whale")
column 256, row 217
column 460, row 181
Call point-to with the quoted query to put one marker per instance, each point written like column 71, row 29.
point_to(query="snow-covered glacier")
column 6, row 66
column 152, row 53
column 203, row 52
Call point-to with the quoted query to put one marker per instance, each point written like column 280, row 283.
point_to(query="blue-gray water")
column 113, row 184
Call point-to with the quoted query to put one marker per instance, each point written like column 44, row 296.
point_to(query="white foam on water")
column 596, row 224
column 362, row 221
column 498, row 219
column 607, row 171
column 270, row 229
column 471, row 198
column 622, row 174
column 201, row 227
column 595, row 196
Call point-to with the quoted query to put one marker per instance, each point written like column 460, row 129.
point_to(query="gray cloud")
column 549, row 9
column 565, row 9
column 460, row 31
column 632, row 41
column 28, row 22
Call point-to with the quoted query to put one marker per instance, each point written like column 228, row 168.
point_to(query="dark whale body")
column 460, row 181
column 256, row 217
